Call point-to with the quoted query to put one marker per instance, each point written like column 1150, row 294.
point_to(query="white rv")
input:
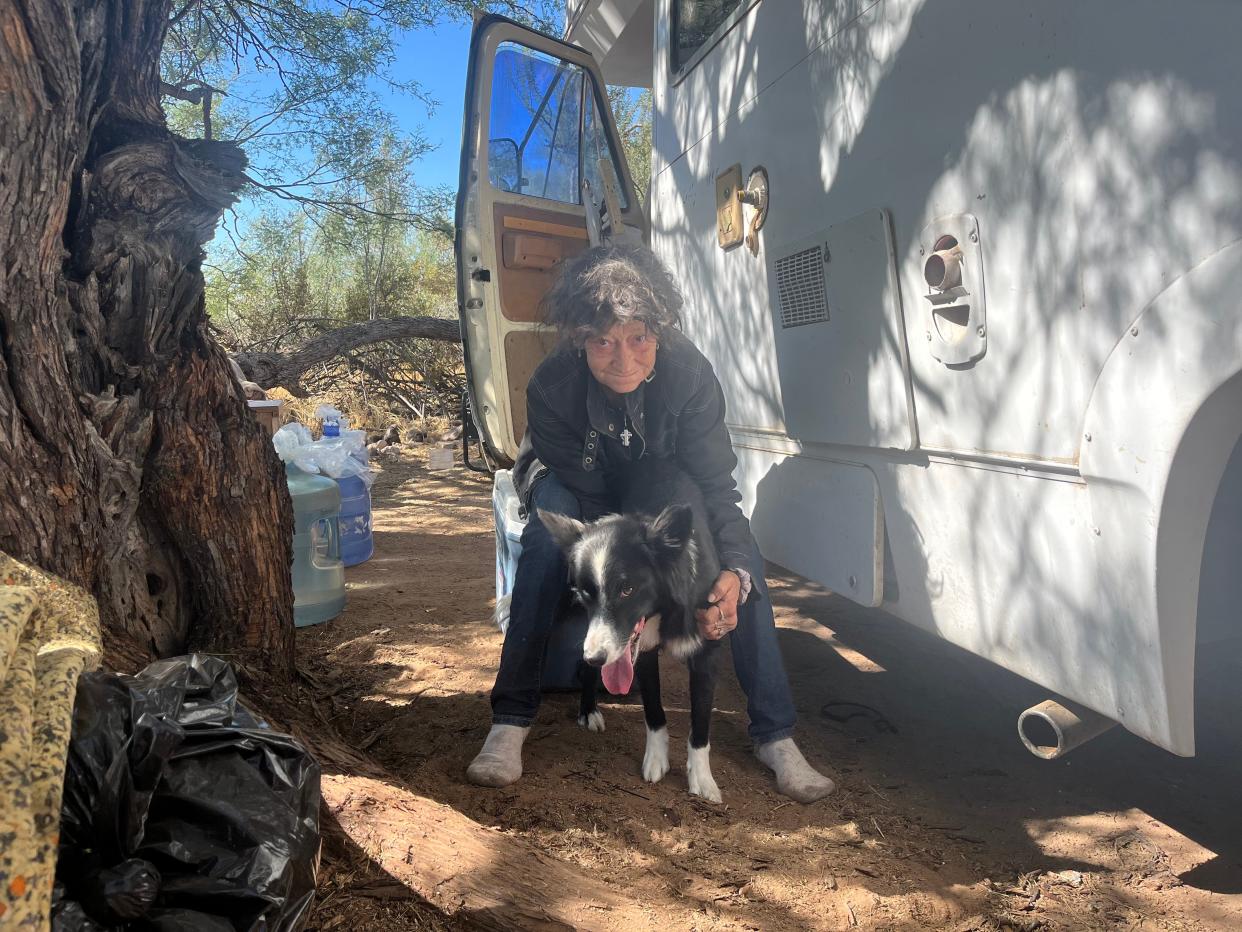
column 977, row 311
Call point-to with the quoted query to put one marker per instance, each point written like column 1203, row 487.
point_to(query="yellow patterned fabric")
column 49, row 634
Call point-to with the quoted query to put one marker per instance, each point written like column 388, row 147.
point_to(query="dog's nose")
column 597, row 659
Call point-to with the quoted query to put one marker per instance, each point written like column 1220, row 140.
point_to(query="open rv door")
column 537, row 125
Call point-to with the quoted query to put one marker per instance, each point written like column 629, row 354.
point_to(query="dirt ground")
column 941, row 820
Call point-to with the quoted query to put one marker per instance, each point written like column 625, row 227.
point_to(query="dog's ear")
column 564, row 530
column 670, row 532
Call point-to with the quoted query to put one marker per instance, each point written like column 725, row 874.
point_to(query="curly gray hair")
column 611, row 284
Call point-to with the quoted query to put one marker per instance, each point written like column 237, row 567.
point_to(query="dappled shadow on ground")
column 940, row 816
column 959, row 713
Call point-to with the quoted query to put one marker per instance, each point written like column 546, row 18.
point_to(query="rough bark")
column 271, row 370
column 128, row 461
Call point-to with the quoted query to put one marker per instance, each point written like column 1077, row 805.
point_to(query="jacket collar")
column 608, row 419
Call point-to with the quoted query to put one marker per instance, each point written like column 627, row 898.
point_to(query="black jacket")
column 678, row 415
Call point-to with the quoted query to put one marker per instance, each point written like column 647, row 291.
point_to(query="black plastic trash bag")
column 182, row 810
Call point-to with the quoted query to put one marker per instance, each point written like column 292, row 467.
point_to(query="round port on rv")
column 943, row 268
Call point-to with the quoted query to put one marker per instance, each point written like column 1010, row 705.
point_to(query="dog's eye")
column 627, row 591
column 578, row 594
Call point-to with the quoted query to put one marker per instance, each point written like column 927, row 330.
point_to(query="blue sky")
column 436, row 59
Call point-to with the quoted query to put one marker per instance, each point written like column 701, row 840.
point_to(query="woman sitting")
column 625, row 384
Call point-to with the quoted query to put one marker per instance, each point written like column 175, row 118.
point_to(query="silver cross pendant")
column 625, row 437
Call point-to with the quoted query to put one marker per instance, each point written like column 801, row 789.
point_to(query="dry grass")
column 362, row 413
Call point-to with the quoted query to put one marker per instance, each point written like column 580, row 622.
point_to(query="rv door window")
column 533, row 145
column 595, row 147
column 694, row 22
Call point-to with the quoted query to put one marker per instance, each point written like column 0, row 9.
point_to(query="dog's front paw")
column 699, row 774
column 655, row 758
column 704, row 787
column 593, row 721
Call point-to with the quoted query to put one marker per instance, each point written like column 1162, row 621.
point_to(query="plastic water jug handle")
column 334, row 538
column 327, row 545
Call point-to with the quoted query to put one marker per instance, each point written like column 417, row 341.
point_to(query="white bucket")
column 438, row 459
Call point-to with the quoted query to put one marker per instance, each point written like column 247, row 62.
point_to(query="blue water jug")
column 357, row 544
column 318, row 573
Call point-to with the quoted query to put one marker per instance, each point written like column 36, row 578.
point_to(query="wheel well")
column 1220, row 582
column 1204, row 471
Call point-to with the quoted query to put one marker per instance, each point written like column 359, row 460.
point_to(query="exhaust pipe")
column 1052, row 729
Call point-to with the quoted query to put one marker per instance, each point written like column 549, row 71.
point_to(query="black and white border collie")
column 639, row 579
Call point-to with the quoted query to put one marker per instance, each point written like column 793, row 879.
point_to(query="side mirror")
column 504, row 165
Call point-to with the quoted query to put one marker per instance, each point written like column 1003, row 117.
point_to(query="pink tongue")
column 619, row 675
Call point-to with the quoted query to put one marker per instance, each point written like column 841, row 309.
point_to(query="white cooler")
column 506, row 510
column 560, row 662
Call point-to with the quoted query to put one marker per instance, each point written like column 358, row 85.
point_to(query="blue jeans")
column 537, row 591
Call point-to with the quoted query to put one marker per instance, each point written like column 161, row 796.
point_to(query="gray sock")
column 499, row 763
column 795, row 778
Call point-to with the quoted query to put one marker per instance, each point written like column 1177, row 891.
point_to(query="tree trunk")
column 128, row 461
column 488, row 879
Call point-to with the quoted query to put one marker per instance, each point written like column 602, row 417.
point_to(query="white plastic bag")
column 288, row 438
column 344, row 455
column 294, row 445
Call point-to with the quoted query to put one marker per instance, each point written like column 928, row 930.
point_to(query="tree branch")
column 200, row 93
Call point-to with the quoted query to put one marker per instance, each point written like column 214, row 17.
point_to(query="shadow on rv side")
column 1100, row 170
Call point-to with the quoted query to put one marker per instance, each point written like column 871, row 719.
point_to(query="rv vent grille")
column 800, row 287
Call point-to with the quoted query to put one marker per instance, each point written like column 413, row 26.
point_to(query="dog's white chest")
column 650, row 638
column 681, row 647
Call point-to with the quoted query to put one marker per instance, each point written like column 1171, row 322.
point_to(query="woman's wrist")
column 744, row 582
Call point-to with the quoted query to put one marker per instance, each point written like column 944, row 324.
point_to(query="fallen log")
column 271, row 370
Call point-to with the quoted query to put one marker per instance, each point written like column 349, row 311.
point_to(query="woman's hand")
column 720, row 617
